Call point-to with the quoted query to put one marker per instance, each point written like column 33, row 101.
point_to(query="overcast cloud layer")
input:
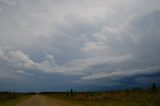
column 63, row 44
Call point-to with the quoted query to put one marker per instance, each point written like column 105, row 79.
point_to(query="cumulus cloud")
column 20, row 61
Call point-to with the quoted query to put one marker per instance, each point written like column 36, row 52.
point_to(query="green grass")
column 120, row 98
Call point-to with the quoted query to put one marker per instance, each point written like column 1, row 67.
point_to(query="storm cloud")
column 78, row 43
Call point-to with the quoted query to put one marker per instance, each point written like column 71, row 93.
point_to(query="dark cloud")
column 86, row 42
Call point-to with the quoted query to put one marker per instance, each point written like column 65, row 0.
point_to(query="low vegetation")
column 128, row 97
column 134, row 97
column 11, row 98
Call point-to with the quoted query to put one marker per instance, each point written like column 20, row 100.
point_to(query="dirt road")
column 40, row 100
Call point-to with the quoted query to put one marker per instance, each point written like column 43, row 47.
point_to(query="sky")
column 56, row 45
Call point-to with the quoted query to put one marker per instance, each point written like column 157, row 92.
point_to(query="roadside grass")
column 134, row 97
column 114, row 98
column 10, row 99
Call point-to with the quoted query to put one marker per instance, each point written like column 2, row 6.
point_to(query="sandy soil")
column 40, row 100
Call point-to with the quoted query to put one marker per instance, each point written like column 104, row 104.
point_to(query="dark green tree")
column 128, row 91
column 154, row 88
column 71, row 91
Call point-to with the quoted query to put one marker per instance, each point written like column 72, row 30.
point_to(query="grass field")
column 112, row 98
column 10, row 99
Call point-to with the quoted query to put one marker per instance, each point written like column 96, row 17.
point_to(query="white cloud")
column 25, row 73
column 82, row 65
column 18, row 60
